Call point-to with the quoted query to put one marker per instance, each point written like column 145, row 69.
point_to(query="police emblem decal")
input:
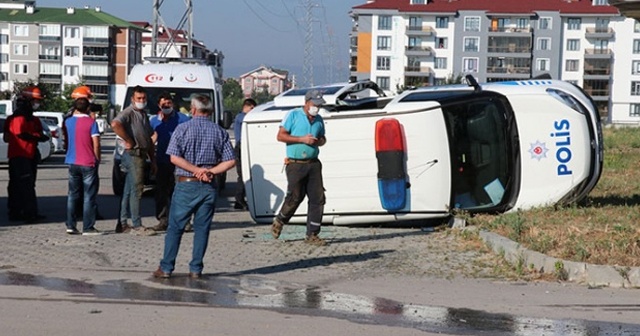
column 538, row 150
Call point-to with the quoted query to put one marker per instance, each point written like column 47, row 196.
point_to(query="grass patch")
column 604, row 230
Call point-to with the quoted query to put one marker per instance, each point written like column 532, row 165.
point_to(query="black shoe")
column 119, row 227
column 240, row 206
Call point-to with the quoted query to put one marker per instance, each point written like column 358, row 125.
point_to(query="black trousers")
column 165, row 183
column 21, row 190
column 241, row 194
column 304, row 179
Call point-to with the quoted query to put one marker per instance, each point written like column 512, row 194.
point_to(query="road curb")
column 579, row 272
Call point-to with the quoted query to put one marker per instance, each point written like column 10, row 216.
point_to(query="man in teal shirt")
column 302, row 129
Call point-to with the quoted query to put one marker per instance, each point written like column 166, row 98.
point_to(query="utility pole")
column 186, row 20
column 307, row 63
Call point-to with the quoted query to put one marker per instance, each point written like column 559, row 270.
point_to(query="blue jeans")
column 189, row 198
column 133, row 188
column 82, row 178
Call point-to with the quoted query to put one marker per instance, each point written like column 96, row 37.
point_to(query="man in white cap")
column 302, row 129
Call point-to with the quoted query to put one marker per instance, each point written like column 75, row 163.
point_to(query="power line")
column 263, row 20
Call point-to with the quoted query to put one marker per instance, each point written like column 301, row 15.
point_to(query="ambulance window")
column 481, row 160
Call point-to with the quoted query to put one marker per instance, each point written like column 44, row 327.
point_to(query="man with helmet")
column 24, row 132
column 83, row 158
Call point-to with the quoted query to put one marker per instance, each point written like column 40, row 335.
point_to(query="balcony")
column 95, row 58
column 50, row 78
column 598, row 94
column 46, row 38
column 418, row 71
column 597, row 73
column 94, row 79
column 598, row 53
column 49, row 57
column 510, row 30
column 420, row 31
column 95, row 40
column 509, row 49
column 508, row 70
column 600, row 33
column 418, row 51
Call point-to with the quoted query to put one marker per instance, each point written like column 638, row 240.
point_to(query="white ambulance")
column 182, row 78
column 490, row 148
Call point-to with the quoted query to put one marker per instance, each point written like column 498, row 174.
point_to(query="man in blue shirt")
column 302, row 129
column 247, row 106
column 163, row 124
column 200, row 149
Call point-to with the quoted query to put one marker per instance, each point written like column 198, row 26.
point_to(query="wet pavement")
column 256, row 292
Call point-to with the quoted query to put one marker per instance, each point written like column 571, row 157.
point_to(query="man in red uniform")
column 25, row 131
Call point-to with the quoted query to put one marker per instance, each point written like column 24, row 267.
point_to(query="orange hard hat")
column 81, row 92
column 31, row 92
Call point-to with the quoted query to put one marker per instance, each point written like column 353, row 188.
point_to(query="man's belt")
column 187, row 179
column 301, row 161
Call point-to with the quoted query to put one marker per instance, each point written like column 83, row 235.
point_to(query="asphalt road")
column 368, row 281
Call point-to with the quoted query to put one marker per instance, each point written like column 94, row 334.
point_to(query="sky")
column 251, row 33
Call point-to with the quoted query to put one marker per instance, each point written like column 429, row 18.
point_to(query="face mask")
column 167, row 110
column 35, row 106
column 140, row 106
column 313, row 111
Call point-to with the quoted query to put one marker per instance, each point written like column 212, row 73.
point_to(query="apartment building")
column 65, row 46
column 274, row 81
column 401, row 43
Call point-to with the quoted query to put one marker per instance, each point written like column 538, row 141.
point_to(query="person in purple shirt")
column 83, row 158
column 200, row 149
column 163, row 124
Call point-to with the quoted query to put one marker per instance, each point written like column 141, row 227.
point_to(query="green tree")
column 232, row 95
column 263, row 95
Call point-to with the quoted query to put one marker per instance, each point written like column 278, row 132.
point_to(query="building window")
column 635, row 68
column 4, row 76
column 574, row 23
column 470, row 64
column 600, row 2
column 522, row 23
column 636, row 27
column 50, row 30
column 573, row 45
column 635, row 88
column 442, row 22
column 441, row 43
column 415, row 42
column 71, row 32
column 471, row 44
column 72, row 51
column 384, row 43
column 384, row 22
column 634, row 110
column 440, row 63
column 418, row 2
column 20, row 49
column 70, row 70
column 636, row 46
column 544, row 23
column 20, row 69
column 21, row 30
column 383, row 82
column 472, row 23
column 544, row 44
column 415, row 21
column 572, row 65
column 4, row 39
column 543, row 64
column 4, row 58
column 383, row 63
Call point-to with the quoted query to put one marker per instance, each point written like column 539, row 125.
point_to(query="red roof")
column 494, row 6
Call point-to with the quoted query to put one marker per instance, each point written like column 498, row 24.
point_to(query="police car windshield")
column 482, row 155
column 181, row 98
